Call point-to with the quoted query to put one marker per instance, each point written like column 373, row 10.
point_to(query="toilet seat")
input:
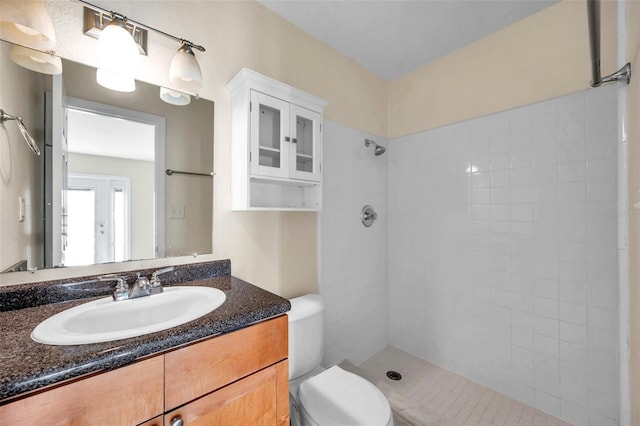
column 340, row 398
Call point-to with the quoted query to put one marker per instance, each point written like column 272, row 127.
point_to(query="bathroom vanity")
column 227, row 367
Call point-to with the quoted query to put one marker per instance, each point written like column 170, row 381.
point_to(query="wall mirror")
column 121, row 176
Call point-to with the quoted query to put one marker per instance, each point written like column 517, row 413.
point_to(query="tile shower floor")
column 429, row 395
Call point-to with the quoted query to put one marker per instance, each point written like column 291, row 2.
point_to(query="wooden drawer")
column 198, row 369
column 127, row 396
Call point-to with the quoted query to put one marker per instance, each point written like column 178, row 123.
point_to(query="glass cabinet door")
column 305, row 151
column 270, row 138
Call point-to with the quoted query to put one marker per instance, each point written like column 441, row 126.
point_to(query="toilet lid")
column 337, row 397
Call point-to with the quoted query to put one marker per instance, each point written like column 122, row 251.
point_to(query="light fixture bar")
column 140, row 25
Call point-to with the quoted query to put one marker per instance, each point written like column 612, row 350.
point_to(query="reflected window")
column 80, row 226
column 119, row 225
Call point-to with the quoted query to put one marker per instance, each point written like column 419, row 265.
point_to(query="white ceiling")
column 97, row 134
column 393, row 37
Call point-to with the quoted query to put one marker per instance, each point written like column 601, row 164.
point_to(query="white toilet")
column 326, row 397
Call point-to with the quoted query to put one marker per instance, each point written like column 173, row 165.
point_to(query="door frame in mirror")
column 159, row 124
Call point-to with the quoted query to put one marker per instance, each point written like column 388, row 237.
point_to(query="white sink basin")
column 104, row 320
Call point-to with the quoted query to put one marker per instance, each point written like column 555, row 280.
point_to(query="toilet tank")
column 306, row 334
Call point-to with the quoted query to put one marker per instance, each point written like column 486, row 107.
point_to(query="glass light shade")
column 174, row 98
column 27, row 23
column 184, row 72
column 35, row 60
column 116, row 51
column 113, row 81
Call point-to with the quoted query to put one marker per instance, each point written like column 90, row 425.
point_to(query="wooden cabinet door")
column 127, row 396
column 253, row 400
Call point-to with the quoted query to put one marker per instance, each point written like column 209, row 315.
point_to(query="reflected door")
column 56, row 155
column 98, row 229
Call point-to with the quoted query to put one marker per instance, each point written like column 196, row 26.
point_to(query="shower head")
column 379, row 150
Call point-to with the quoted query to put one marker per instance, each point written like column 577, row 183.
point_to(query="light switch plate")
column 176, row 212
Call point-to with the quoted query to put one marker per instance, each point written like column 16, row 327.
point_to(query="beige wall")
column 22, row 94
column 633, row 105
column 277, row 251
column 541, row 57
column 142, row 183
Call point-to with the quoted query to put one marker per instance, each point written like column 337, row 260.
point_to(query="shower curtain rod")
column 624, row 73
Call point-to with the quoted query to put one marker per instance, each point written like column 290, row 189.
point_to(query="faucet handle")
column 119, row 279
column 121, row 292
column 155, row 281
column 142, row 281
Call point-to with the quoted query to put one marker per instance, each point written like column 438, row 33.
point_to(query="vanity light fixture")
column 28, row 26
column 184, row 73
column 174, row 98
column 118, row 57
column 35, row 60
column 27, row 23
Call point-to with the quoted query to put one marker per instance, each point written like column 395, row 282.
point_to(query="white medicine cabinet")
column 276, row 155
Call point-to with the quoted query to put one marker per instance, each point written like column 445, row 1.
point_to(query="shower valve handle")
column 368, row 216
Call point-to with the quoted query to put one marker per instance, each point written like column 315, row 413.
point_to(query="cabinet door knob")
column 177, row 421
column 287, row 139
column 294, row 140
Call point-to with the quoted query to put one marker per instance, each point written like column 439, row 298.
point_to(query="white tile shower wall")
column 502, row 252
column 353, row 259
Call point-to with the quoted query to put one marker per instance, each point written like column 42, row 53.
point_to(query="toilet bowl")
column 326, row 397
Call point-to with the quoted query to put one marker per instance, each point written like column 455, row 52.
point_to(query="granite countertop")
column 26, row 365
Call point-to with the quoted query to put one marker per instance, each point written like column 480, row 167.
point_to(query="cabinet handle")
column 286, row 139
column 177, row 421
column 294, row 140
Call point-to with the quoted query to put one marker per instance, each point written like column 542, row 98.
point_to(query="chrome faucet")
column 141, row 288
column 145, row 287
